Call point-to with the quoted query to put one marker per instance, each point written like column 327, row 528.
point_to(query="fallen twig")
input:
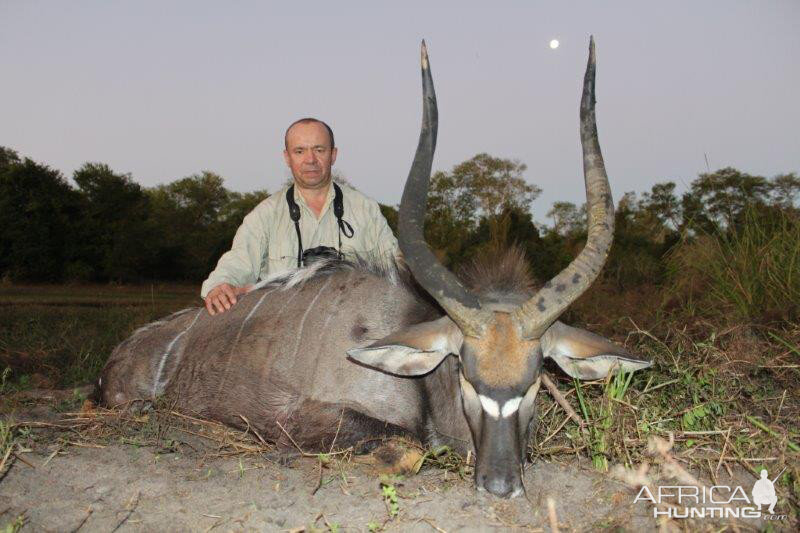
column 132, row 504
column 89, row 512
column 551, row 512
column 299, row 449
column 763, row 427
column 24, row 461
column 255, row 432
column 5, row 458
column 724, row 447
column 430, row 523
column 558, row 397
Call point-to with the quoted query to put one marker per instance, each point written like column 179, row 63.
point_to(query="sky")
column 164, row 90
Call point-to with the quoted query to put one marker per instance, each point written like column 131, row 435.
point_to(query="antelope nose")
column 502, row 486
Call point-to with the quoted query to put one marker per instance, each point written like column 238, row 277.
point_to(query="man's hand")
column 223, row 297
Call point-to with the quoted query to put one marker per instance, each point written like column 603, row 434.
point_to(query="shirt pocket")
column 281, row 251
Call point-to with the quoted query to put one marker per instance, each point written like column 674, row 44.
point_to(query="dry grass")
column 724, row 400
column 742, row 275
column 163, row 429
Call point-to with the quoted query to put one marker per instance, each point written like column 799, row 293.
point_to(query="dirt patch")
column 138, row 489
column 63, row 481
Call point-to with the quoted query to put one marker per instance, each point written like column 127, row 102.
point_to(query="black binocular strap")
column 338, row 211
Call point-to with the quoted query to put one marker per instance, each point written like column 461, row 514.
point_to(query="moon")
column 554, row 44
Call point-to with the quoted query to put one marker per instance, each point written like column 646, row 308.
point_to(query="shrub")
column 749, row 272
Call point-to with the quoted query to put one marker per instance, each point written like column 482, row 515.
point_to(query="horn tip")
column 424, row 55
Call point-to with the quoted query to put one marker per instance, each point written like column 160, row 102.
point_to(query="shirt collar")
column 298, row 198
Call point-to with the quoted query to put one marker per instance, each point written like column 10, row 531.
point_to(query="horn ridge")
column 540, row 311
column 459, row 303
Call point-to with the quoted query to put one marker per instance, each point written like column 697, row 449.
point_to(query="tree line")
column 107, row 227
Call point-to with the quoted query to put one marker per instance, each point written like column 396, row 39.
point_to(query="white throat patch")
column 493, row 409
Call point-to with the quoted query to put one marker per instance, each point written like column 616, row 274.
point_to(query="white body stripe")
column 492, row 408
column 253, row 310
column 249, row 316
column 305, row 315
column 230, row 358
column 157, row 385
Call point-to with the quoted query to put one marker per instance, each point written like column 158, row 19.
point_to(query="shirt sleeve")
column 241, row 265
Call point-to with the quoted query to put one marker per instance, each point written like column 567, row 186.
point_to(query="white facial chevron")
column 510, row 407
column 492, row 408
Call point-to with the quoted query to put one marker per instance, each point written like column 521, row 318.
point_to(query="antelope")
column 343, row 351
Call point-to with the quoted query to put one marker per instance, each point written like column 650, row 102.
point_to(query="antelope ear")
column 413, row 351
column 584, row 355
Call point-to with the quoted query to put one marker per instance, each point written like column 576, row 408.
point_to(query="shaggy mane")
column 499, row 272
column 396, row 272
column 493, row 273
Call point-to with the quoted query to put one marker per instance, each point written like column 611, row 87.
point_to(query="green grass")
column 389, row 492
column 15, row 525
column 600, row 415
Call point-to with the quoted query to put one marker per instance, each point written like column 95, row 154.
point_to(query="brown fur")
column 501, row 274
column 278, row 359
column 396, row 457
column 503, row 357
column 318, row 426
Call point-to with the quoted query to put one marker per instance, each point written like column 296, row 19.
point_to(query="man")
column 764, row 492
column 270, row 241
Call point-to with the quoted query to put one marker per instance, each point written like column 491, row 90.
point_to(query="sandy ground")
column 100, row 489
column 124, row 487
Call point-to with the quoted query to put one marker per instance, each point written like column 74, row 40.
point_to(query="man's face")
column 309, row 155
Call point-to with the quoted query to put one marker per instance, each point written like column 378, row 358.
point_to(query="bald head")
column 304, row 121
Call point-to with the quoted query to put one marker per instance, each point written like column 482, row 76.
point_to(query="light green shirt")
column 266, row 242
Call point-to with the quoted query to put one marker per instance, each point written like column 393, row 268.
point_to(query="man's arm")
column 239, row 267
